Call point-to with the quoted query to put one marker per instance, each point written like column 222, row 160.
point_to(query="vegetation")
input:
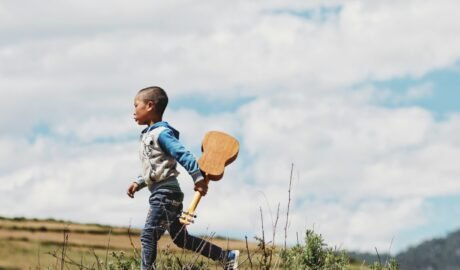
column 76, row 246
column 39, row 244
column 314, row 255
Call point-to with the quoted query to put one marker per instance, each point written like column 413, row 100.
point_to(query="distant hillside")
column 436, row 254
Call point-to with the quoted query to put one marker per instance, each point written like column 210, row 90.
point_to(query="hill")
column 435, row 254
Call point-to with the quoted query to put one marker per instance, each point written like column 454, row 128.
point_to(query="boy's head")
column 149, row 105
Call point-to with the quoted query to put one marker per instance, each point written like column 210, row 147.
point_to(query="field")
column 41, row 244
column 29, row 244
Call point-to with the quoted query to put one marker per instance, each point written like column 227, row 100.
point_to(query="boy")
column 159, row 152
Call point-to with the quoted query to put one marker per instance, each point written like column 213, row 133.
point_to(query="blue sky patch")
column 439, row 214
column 41, row 129
column 45, row 130
column 441, row 99
column 321, row 14
column 206, row 105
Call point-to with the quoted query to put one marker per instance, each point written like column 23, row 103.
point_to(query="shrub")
column 390, row 265
column 314, row 255
column 123, row 262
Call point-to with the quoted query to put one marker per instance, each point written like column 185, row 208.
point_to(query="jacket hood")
column 162, row 124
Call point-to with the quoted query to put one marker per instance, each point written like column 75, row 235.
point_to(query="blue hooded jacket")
column 168, row 141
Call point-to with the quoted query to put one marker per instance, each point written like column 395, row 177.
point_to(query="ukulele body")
column 219, row 150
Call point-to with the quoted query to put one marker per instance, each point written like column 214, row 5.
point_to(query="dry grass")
column 25, row 244
column 6, row 224
column 21, row 248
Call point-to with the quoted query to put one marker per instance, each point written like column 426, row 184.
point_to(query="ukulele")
column 219, row 150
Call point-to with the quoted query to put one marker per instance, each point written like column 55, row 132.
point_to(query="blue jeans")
column 164, row 212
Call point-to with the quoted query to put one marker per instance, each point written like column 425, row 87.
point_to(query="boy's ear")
column 150, row 106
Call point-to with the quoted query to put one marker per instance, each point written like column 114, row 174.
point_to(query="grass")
column 22, row 246
column 29, row 244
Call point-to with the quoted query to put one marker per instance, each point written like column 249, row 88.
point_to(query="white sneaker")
column 231, row 262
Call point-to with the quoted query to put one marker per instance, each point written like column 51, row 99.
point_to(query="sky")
column 359, row 97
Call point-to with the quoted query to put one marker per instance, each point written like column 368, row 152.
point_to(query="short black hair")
column 157, row 95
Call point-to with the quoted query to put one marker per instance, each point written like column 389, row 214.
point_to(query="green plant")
column 314, row 255
column 390, row 265
column 267, row 252
column 122, row 262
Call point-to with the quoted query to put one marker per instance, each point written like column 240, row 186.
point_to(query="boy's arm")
column 136, row 186
column 172, row 147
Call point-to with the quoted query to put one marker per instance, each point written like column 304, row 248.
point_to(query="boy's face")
column 143, row 111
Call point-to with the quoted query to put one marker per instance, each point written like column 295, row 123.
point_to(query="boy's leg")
column 152, row 232
column 183, row 239
column 179, row 234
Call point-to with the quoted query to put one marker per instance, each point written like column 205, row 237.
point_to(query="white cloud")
column 76, row 67
column 257, row 50
column 354, row 153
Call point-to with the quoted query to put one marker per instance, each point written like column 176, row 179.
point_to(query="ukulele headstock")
column 187, row 218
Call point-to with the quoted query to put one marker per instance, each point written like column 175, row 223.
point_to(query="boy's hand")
column 132, row 189
column 202, row 187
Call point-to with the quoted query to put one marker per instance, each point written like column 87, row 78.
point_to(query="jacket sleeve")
column 141, row 182
column 172, row 147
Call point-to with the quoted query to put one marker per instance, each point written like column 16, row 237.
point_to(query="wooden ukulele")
column 219, row 150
